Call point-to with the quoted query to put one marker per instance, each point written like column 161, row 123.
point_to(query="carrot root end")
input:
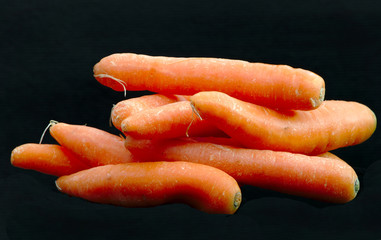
column 322, row 94
column 357, row 186
column 237, row 200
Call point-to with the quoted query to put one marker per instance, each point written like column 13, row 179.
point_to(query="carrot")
column 320, row 178
column 168, row 121
column 128, row 107
column 275, row 86
column 94, row 146
column 50, row 159
column 155, row 183
column 333, row 125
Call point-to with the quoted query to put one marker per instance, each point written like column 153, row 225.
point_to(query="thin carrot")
column 50, row 159
column 154, row 183
column 168, row 121
column 128, row 107
column 333, row 125
column 320, row 178
column 275, row 86
column 94, row 146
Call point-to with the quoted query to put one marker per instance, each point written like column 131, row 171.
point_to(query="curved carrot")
column 128, row 107
column 168, row 121
column 333, row 125
column 50, row 159
column 275, row 86
column 154, row 183
column 94, row 146
column 320, row 178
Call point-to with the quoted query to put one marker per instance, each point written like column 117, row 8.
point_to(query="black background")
column 48, row 49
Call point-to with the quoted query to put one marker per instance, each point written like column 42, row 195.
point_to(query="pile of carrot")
column 209, row 126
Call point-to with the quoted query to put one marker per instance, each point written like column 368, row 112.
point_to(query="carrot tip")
column 316, row 102
column 357, row 186
column 237, row 199
column 322, row 94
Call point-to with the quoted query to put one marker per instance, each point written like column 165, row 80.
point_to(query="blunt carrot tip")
column 237, row 199
column 357, row 186
column 316, row 102
column 322, row 94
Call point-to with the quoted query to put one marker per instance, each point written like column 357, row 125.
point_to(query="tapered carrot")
column 94, row 146
column 50, row 159
column 333, row 125
column 320, row 178
column 168, row 121
column 154, row 183
column 128, row 107
column 275, row 86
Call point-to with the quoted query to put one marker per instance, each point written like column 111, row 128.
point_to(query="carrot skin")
column 94, row 146
column 168, row 121
column 320, row 178
column 155, row 183
column 333, row 125
column 275, row 86
column 50, row 159
column 128, row 107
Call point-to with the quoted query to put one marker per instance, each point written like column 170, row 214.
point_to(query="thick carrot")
column 128, row 107
column 93, row 146
column 333, row 125
column 275, row 86
column 320, row 178
column 50, row 159
column 168, row 121
column 154, row 183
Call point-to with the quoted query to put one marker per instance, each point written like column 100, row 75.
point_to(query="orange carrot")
column 333, row 125
column 94, row 146
column 168, row 121
column 50, row 159
column 319, row 178
column 154, row 183
column 128, row 107
column 275, row 86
